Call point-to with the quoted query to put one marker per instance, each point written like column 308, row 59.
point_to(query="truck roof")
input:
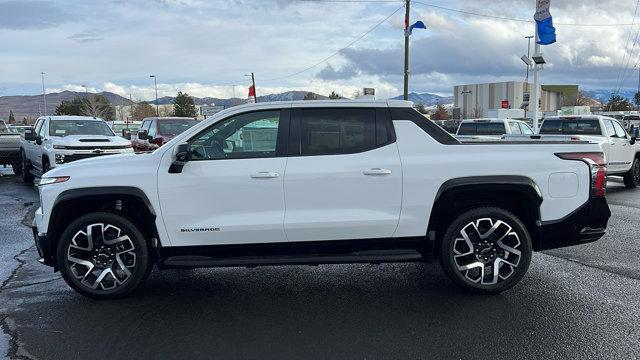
column 70, row 117
column 484, row 120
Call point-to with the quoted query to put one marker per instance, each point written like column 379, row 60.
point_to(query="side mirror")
column 126, row 134
column 143, row 135
column 30, row 135
column 152, row 140
column 634, row 135
column 181, row 157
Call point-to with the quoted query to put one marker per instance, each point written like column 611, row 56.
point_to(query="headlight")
column 52, row 180
column 62, row 147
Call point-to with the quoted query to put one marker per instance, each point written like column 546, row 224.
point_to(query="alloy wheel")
column 101, row 257
column 487, row 251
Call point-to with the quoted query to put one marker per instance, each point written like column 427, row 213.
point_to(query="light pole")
column 155, row 84
column 528, row 55
column 44, row 95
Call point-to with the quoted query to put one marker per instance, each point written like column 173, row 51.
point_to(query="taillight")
column 597, row 164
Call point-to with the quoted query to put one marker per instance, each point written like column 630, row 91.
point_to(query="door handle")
column 612, row 143
column 264, row 175
column 377, row 171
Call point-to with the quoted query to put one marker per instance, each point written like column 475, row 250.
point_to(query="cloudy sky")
column 205, row 47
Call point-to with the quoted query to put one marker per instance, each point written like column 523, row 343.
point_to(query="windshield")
column 79, row 127
column 174, row 127
column 133, row 128
column 571, row 127
column 483, row 128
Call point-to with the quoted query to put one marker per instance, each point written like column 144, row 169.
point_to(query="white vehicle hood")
column 106, row 165
column 90, row 140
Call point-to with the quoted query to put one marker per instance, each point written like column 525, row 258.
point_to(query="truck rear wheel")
column 486, row 250
column 27, row 176
column 632, row 177
column 103, row 255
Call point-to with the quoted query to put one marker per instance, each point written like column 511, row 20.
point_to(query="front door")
column 344, row 179
column 231, row 189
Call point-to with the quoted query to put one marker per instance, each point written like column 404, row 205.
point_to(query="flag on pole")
column 544, row 23
column 252, row 94
column 416, row 25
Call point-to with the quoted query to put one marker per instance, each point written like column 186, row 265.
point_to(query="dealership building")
column 476, row 100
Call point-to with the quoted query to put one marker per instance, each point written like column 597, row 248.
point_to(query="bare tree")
column 98, row 106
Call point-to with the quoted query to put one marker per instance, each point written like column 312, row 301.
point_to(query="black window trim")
column 434, row 131
column 281, row 141
column 382, row 117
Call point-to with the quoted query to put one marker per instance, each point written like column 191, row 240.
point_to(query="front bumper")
column 46, row 250
column 587, row 224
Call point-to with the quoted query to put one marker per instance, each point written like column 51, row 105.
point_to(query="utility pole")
column 407, row 5
column 638, row 104
column 44, row 95
column 155, row 84
column 255, row 92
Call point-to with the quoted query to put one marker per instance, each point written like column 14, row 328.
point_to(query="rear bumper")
column 587, row 224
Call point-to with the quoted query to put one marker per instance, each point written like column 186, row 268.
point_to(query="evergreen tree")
column 334, row 96
column 618, row 103
column 184, row 105
column 70, row 107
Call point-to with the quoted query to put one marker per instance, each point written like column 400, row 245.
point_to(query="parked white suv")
column 57, row 140
column 317, row 182
column 491, row 129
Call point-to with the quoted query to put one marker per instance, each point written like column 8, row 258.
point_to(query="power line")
column 515, row 19
column 623, row 75
column 338, row 51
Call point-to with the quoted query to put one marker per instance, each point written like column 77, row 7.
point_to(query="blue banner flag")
column 416, row 25
column 544, row 23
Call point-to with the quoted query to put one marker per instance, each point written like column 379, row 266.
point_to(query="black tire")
column 103, row 257
column 17, row 169
column 27, row 176
column 632, row 177
column 488, row 251
column 45, row 166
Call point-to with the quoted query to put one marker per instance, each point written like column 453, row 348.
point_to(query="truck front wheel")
column 103, row 255
column 632, row 177
column 486, row 250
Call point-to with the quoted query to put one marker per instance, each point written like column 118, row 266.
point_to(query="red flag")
column 252, row 91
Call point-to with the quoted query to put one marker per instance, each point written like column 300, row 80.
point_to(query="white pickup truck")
column 319, row 182
column 58, row 140
column 491, row 129
column 621, row 150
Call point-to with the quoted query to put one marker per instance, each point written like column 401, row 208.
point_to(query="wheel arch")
column 509, row 192
column 129, row 202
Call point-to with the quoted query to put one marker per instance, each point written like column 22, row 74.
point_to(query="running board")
column 369, row 256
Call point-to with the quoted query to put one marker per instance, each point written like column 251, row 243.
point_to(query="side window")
column 153, row 129
column 250, row 135
column 515, row 128
column 145, row 125
column 611, row 132
column 619, row 130
column 337, row 131
column 526, row 129
column 38, row 126
column 43, row 129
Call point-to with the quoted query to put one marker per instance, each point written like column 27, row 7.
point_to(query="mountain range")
column 427, row 99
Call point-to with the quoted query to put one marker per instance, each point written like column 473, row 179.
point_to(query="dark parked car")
column 155, row 131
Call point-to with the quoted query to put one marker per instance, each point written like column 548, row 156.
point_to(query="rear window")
column 174, row 127
column 571, row 127
column 481, row 128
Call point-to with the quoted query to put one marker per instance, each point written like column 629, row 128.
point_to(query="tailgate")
column 9, row 141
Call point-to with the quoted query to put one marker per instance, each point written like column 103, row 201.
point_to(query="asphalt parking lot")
column 579, row 302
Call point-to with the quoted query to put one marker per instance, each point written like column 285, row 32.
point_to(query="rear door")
column 344, row 177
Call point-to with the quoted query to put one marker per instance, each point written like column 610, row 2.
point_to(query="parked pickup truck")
column 155, row 131
column 57, row 140
column 9, row 148
column 319, row 182
column 621, row 150
column 491, row 129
